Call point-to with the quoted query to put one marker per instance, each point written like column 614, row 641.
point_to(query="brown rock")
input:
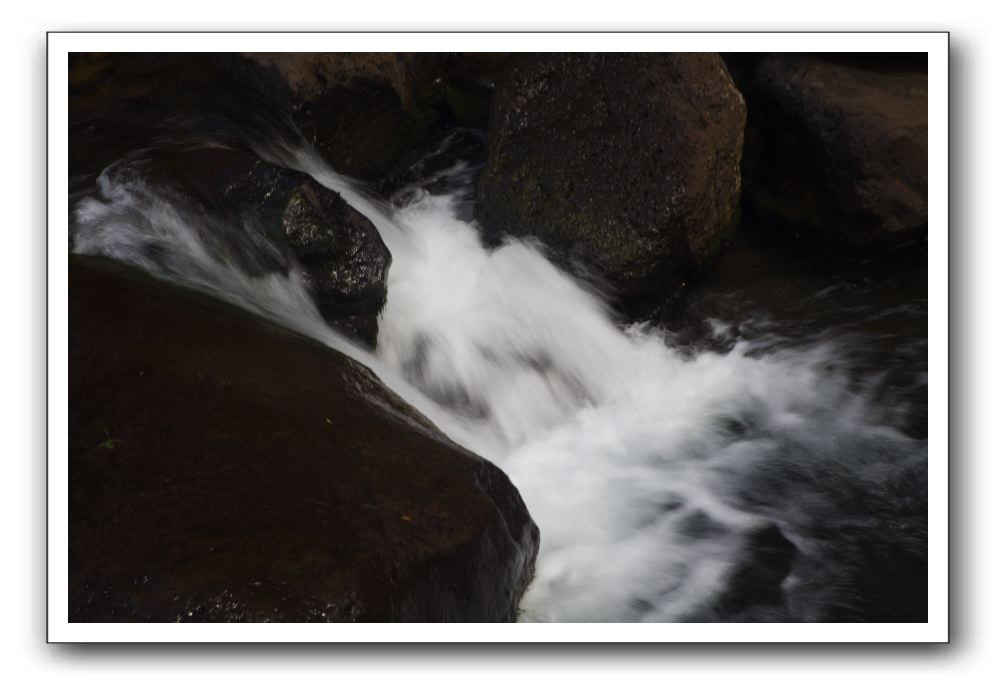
column 836, row 146
column 222, row 469
column 629, row 163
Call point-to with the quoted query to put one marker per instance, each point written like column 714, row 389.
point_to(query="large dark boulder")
column 628, row 163
column 345, row 260
column 836, row 146
column 222, row 469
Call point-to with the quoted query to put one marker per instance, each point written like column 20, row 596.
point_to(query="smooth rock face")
column 629, row 163
column 345, row 260
column 222, row 469
column 836, row 146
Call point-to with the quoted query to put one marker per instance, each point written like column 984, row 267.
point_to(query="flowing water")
column 760, row 457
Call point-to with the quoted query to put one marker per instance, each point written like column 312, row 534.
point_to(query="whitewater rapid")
column 664, row 482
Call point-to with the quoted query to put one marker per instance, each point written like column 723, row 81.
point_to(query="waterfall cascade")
column 753, row 481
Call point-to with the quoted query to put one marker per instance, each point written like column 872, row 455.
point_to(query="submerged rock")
column 222, row 469
column 836, row 146
column 629, row 163
column 345, row 260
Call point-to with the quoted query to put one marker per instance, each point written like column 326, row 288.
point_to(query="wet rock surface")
column 206, row 129
column 836, row 146
column 239, row 191
column 345, row 260
column 268, row 219
column 628, row 163
column 222, row 469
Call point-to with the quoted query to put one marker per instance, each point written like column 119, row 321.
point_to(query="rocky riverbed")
column 324, row 306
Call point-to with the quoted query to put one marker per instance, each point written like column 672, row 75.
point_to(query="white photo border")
column 934, row 44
